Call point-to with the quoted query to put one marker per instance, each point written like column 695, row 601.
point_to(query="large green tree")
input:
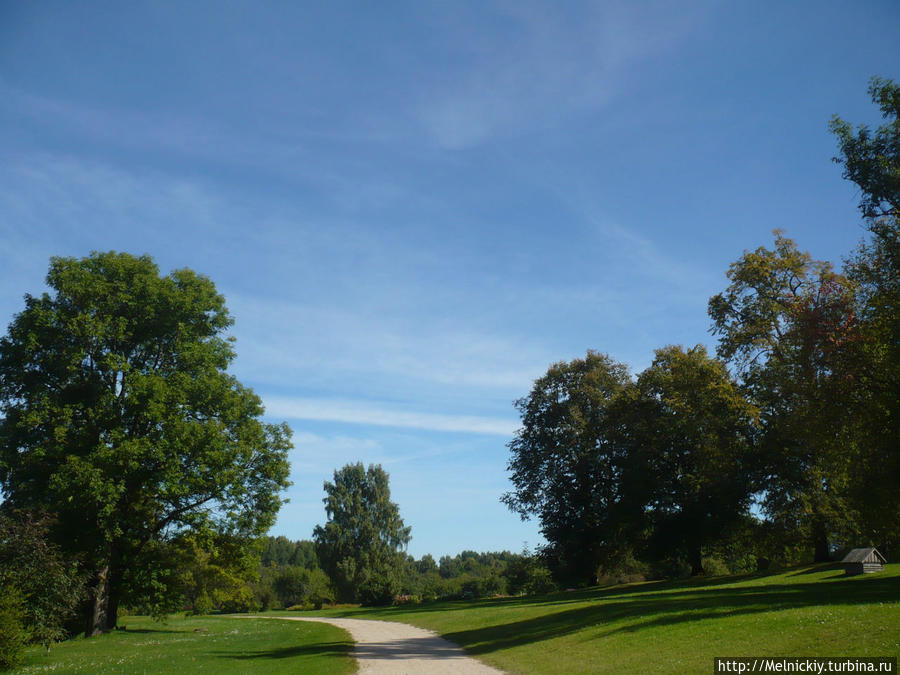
column 789, row 325
column 564, row 469
column 361, row 545
column 119, row 417
column 691, row 466
column 871, row 159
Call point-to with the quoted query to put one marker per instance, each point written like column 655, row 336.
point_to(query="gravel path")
column 390, row 647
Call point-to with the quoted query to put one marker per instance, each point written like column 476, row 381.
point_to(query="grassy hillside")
column 673, row 626
column 202, row 645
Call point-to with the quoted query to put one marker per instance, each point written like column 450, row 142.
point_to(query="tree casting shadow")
column 647, row 610
column 320, row 649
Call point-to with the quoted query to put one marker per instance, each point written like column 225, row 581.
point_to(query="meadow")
column 209, row 644
column 662, row 626
column 672, row 626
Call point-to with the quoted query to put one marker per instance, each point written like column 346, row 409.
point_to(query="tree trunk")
column 820, row 541
column 98, row 602
column 114, row 592
column 696, row 560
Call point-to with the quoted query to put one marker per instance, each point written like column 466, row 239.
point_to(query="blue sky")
column 414, row 208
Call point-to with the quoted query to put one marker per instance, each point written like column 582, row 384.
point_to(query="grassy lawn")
column 203, row 644
column 672, row 626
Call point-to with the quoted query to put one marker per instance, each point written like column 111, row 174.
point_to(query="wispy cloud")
column 280, row 338
column 548, row 66
column 383, row 415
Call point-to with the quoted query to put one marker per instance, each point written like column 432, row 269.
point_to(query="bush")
column 540, row 581
column 236, row 600
column 715, row 567
column 407, row 600
column 50, row 586
column 298, row 587
column 670, row 568
column 13, row 635
column 626, row 569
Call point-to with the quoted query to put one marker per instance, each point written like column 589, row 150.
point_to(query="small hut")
column 863, row 561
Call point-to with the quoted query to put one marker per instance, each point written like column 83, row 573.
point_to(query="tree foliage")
column 789, row 324
column 280, row 551
column 13, row 634
column 872, row 159
column 662, row 466
column 564, row 469
column 690, row 459
column 360, row 546
column 119, row 417
column 50, row 586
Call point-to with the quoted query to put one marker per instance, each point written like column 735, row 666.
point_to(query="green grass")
column 664, row 627
column 203, row 644
column 672, row 626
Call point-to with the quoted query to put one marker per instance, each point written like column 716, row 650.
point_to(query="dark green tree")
column 691, row 467
column 789, row 326
column 565, row 471
column 872, row 161
column 361, row 546
column 118, row 416
column 295, row 585
column 280, row 551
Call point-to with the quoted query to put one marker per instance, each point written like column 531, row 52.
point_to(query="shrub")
column 407, row 600
column 298, row 587
column 50, row 586
column 715, row 567
column 540, row 581
column 237, row 599
column 13, row 635
column 626, row 569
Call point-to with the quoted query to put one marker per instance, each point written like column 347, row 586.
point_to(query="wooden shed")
column 863, row 561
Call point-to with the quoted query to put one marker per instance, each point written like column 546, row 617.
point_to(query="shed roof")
column 859, row 555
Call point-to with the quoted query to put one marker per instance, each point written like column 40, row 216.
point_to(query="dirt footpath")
column 389, row 647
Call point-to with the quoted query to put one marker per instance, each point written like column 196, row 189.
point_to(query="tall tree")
column 692, row 452
column 362, row 544
column 789, row 325
column 872, row 161
column 565, row 471
column 118, row 416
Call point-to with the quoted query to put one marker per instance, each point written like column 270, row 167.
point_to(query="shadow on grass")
column 824, row 567
column 578, row 596
column 612, row 615
column 320, row 649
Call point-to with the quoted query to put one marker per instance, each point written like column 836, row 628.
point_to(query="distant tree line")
column 784, row 446
column 288, row 580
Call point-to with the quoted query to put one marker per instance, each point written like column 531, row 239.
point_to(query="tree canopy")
column 790, row 326
column 872, row 160
column 689, row 433
column 612, row 467
column 118, row 417
column 563, row 468
column 360, row 546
